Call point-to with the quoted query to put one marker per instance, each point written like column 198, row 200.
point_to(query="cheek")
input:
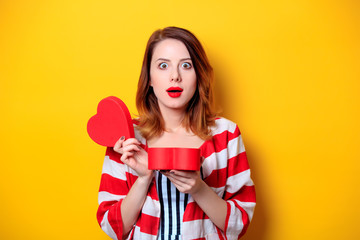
column 156, row 76
column 156, row 83
column 193, row 89
column 193, row 81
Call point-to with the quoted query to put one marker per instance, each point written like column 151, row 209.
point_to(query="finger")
column 185, row 174
column 118, row 145
column 131, row 141
column 129, row 154
column 181, row 186
column 130, row 148
column 174, row 174
column 174, row 180
column 177, row 179
column 125, row 156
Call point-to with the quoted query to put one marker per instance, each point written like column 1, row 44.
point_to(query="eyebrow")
column 168, row 60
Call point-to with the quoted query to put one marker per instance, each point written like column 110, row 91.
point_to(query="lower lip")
column 174, row 94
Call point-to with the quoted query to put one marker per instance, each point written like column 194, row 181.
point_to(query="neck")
column 172, row 118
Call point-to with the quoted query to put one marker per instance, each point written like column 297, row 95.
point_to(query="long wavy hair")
column 200, row 113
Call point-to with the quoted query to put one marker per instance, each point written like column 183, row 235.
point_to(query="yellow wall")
column 287, row 72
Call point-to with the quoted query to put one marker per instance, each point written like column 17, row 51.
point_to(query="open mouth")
column 174, row 89
column 174, row 92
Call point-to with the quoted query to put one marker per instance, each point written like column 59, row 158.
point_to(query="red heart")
column 174, row 158
column 112, row 121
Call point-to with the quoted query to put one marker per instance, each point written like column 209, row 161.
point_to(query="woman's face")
column 172, row 75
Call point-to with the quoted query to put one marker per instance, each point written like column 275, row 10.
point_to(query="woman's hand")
column 133, row 155
column 185, row 181
column 190, row 182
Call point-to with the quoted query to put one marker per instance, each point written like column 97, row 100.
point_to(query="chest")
column 176, row 140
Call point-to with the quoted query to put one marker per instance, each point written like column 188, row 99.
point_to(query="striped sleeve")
column 226, row 171
column 239, row 188
column 113, row 189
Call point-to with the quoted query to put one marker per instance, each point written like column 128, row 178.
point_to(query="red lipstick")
column 174, row 92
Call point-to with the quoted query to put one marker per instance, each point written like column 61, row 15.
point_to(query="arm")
column 120, row 202
column 213, row 205
column 114, row 187
column 239, row 189
column 232, row 213
column 136, row 158
column 133, row 203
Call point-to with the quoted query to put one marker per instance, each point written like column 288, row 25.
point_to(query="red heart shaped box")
column 112, row 121
column 174, row 158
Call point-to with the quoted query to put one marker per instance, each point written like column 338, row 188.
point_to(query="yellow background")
column 287, row 72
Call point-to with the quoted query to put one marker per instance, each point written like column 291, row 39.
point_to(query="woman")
column 175, row 105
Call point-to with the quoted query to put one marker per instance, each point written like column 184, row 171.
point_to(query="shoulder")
column 224, row 125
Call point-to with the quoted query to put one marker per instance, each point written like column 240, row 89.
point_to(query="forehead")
column 170, row 49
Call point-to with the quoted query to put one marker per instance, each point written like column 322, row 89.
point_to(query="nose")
column 175, row 75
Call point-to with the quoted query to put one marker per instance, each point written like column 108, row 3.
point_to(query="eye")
column 163, row 65
column 186, row 65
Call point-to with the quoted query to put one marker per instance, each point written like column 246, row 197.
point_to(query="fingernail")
column 122, row 138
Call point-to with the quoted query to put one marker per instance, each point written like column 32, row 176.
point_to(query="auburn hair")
column 200, row 113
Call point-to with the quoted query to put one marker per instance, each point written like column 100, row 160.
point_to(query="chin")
column 176, row 106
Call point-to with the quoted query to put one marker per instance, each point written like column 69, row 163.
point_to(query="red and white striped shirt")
column 225, row 170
